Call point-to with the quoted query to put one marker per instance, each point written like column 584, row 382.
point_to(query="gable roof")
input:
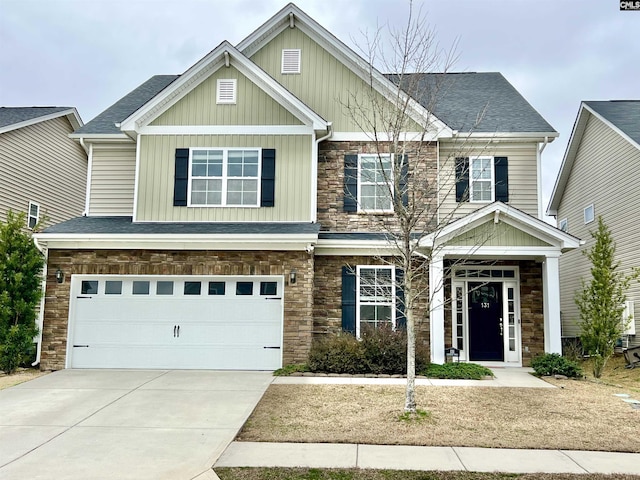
column 483, row 102
column 12, row 118
column 622, row 116
column 105, row 122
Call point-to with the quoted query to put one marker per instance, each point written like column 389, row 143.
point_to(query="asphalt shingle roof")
column 483, row 102
column 124, row 225
column 105, row 122
column 13, row 115
column 624, row 114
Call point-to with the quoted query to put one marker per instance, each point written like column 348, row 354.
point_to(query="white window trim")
column 220, row 100
column 36, row 217
column 563, row 225
column 393, row 294
column 285, row 52
column 584, row 213
column 492, row 181
column 360, row 183
column 224, row 177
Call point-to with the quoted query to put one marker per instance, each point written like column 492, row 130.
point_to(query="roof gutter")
column 314, row 172
column 539, row 182
column 43, row 249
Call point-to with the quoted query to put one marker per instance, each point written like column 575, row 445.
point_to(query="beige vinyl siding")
column 40, row 163
column 253, row 106
column 523, row 172
column 324, row 84
column 500, row 235
column 113, row 171
column 605, row 173
column 293, row 179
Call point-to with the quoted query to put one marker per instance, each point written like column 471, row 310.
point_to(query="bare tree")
column 405, row 175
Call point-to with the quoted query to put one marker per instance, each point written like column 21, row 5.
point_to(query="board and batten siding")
column 113, row 172
column 40, row 163
column 292, row 185
column 324, row 83
column 605, row 173
column 496, row 235
column 253, row 106
column 523, row 174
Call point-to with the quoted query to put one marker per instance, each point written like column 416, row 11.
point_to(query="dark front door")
column 485, row 322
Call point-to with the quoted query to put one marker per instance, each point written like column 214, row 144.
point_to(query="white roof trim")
column 201, row 71
column 71, row 114
column 512, row 216
column 344, row 54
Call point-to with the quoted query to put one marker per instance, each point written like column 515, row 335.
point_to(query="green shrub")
column 457, row 371
column 336, row 354
column 17, row 347
column 291, row 368
column 555, row 364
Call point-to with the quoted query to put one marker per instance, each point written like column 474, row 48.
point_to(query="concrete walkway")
column 398, row 457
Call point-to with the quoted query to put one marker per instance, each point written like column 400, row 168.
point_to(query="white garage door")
column 176, row 322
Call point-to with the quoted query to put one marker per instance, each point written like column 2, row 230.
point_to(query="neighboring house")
column 43, row 172
column 599, row 177
column 223, row 232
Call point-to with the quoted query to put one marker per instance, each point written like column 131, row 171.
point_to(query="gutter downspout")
column 539, row 165
column 314, row 172
column 45, row 251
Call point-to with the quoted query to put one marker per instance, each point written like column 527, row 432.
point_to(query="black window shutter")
column 268, row 178
column 501, row 168
column 401, row 319
column 348, row 300
column 350, row 183
column 181, row 177
column 462, row 179
column 403, row 164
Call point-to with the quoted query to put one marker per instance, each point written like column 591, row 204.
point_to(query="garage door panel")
column 176, row 330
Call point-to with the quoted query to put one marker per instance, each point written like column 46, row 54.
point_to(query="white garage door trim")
column 183, row 322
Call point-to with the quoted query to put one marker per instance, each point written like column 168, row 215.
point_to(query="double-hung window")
column 375, row 183
column 224, row 177
column 33, row 215
column 376, row 297
column 481, row 185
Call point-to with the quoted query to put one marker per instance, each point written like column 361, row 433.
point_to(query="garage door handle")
column 81, row 346
column 82, row 297
column 274, row 298
column 178, row 331
column 174, row 330
column 274, row 348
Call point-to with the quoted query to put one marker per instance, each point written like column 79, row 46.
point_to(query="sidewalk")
column 399, row 457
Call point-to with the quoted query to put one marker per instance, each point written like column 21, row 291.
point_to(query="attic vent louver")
column 291, row 60
column 226, row 91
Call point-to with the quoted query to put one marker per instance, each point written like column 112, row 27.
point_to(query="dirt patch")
column 21, row 376
column 578, row 415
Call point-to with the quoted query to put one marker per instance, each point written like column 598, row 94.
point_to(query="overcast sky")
column 90, row 53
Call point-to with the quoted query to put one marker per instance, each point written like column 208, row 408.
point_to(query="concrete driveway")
column 123, row 424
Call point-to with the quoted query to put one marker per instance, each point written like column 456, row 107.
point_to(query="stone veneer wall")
column 327, row 294
column 331, row 214
column 298, row 298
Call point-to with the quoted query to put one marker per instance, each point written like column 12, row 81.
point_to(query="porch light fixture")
column 292, row 277
column 59, row 276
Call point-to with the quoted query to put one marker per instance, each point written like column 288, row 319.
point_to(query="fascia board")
column 510, row 136
column 486, row 252
column 101, row 137
column 71, row 113
column 344, row 54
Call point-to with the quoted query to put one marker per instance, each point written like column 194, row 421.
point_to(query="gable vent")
column 291, row 60
column 226, row 92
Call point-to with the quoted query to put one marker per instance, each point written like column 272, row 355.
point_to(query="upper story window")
column 291, row 60
column 226, row 90
column 33, row 215
column 563, row 225
column 375, row 180
column 375, row 297
column 482, row 179
column 589, row 214
column 224, row 177
column 481, row 173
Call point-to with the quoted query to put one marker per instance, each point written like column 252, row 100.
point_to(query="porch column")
column 551, row 300
column 436, row 317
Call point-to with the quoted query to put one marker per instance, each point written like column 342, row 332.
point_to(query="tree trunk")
column 410, row 394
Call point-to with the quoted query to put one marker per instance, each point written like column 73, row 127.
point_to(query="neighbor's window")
column 376, row 297
column 375, row 179
column 224, row 177
column 481, row 174
column 563, row 225
column 589, row 214
column 33, row 215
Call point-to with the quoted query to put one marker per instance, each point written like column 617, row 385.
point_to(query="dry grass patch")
column 580, row 415
column 20, row 376
column 616, row 374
